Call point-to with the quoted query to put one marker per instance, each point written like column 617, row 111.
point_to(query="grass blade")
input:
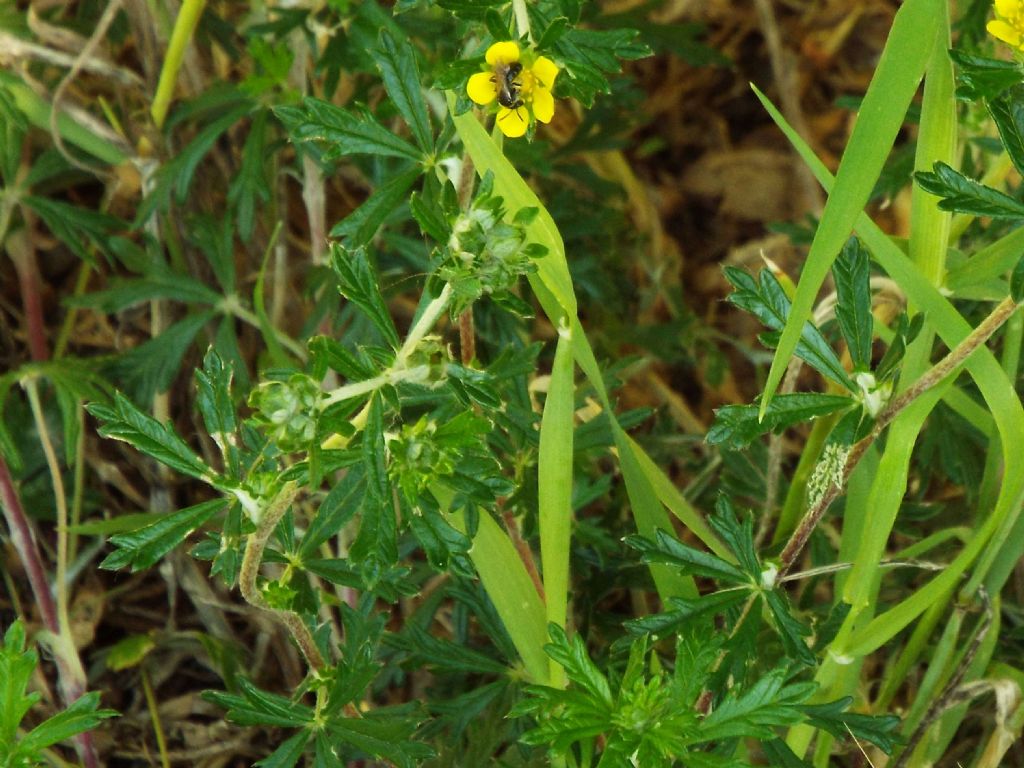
column 881, row 115
column 554, row 484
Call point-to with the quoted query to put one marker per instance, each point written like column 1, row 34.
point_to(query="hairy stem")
column 932, row 377
column 250, row 570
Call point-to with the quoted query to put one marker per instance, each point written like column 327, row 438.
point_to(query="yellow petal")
column 504, row 52
column 543, row 105
column 1003, row 31
column 512, row 122
column 545, row 70
column 481, row 88
column 1008, row 8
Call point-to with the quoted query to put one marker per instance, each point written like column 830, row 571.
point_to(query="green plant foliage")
column 387, row 353
column 852, row 273
column 963, row 195
column 767, row 301
column 23, row 749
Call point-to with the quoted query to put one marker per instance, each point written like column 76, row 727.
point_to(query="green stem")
column 57, row 481
column 184, row 26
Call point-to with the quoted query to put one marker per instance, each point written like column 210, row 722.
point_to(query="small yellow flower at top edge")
column 1008, row 25
column 521, row 85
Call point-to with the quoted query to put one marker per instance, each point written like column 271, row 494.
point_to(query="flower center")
column 527, row 81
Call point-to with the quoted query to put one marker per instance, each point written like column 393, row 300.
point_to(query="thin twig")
column 951, row 695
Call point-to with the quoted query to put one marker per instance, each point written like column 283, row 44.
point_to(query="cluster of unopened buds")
column 519, row 83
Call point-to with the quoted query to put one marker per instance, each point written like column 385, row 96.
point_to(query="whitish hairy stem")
column 933, row 376
column 250, row 570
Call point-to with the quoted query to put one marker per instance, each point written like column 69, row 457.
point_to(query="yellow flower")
column 520, row 84
column 1008, row 25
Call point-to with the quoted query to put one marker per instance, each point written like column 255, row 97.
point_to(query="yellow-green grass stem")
column 184, row 26
column 554, row 490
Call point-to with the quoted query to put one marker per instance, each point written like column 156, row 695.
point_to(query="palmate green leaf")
column 360, row 226
column 427, row 649
column 590, row 55
column 737, row 425
column 790, row 631
column 152, row 366
column 963, row 195
column 359, row 284
column 124, row 421
column 249, row 187
column 900, row 69
column 288, row 754
column 682, row 613
column 143, row 548
column 16, row 666
column 881, row 730
column 737, row 534
column 82, row 715
column 177, row 174
column 217, row 407
column 342, row 132
column 384, row 732
column 581, row 671
column 338, row 507
column 396, row 61
column 257, row 707
column 852, row 273
column 160, row 283
column 984, row 78
column 445, row 548
column 767, row 301
column 76, row 227
column 767, row 704
column 1007, row 112
column 669, row 550
column 358, row 665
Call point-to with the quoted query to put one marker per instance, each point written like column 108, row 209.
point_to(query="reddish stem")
column 25, row 542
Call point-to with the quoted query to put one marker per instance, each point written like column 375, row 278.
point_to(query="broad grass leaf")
column 900, row 69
